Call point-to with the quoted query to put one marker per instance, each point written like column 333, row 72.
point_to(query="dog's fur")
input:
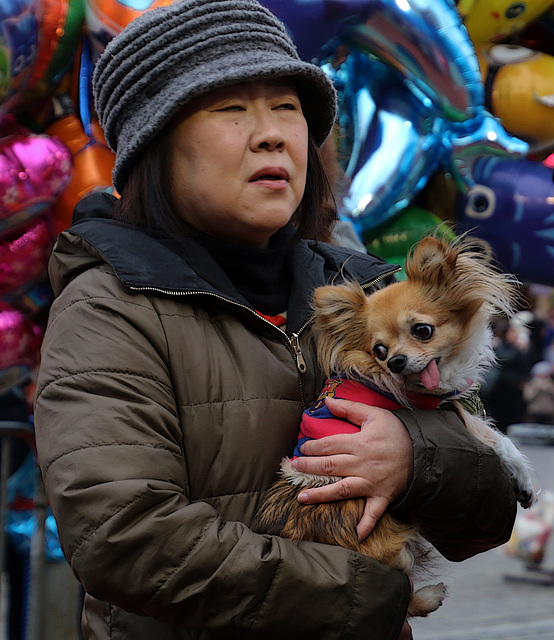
column 430, row 333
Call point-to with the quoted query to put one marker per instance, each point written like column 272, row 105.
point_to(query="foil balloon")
column 423, row 39
column 93, row 163
column 519, row 90
column 495, row 20
column 393, row 240
column 60, row 26
column 411, row 98
column 106, row 18
column 426, row 42
column 511, row 206
column 34, row 169
column 20, row 341
column 21, row 517
column 391, row 141
column 24, row 253
column 386, row 137
column 18, row 49
column 464, row 143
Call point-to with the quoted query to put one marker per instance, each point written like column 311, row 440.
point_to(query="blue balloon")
column 411, row 98
column 511, row 206
column 425, row 40
column 388, row 142
column 21, row 523
column 465, row 143
column 391, row 142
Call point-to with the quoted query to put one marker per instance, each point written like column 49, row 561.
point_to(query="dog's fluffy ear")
column 432, row 261
column 460, row 274
column 339, row 323
column 336, row 300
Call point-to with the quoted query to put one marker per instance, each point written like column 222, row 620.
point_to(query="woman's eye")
column 287, row 105
column 422, row 331
column 381, row 352
column 232, row 107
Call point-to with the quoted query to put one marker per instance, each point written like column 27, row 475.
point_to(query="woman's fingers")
column 355, row 412
column 341, row 490
column 344, row 489
column 326, row 464
column 374, row 509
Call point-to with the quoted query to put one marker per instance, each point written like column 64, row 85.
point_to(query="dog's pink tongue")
column 430, row 376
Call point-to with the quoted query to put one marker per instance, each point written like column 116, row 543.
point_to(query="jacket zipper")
column 373, row 282
column 293, row 341
column 297, row 351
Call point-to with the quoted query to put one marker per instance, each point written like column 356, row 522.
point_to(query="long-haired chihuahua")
column 419, row 342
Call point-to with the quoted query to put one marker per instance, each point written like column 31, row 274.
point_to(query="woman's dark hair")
column 146, row 197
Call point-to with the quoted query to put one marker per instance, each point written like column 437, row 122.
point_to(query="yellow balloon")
column 494, row 20
column 519, row 87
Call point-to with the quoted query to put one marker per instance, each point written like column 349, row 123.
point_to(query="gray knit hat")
column 169, row 55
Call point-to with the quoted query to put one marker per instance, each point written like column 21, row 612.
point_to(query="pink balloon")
column 24, row 253
column 20, row 339
column 34, row 170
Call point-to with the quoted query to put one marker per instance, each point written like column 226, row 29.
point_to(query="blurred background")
column 446, row 116
column 506, row 593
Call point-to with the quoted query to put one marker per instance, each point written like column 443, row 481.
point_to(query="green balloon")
column 4, row 73
column 393, row 240
column 397, row 236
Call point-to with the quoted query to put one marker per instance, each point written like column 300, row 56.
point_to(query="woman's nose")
column 267, row 135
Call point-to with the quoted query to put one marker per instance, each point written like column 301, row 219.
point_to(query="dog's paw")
column 526, row 494
column 427, row 599
column 520, row 470
column 526, row 497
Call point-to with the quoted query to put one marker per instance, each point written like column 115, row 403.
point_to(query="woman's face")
column 238, row 161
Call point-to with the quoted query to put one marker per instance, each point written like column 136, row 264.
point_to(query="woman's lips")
column 272, row 175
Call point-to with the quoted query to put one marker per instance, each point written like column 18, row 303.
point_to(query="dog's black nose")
column 397, row 363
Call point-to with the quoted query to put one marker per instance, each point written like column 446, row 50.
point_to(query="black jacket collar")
column 141, row 262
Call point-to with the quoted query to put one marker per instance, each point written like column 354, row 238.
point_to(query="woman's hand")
column 376, row 463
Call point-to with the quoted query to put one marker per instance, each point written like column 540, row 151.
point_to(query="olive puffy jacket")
column 164, row 405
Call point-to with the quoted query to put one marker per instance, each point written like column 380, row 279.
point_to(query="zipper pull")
column 300, row 362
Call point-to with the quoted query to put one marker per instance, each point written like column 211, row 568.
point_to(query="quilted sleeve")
column 460, row 496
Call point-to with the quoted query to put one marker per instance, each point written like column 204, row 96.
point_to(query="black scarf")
column 262, row 276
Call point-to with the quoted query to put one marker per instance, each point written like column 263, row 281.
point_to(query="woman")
column 178, row 356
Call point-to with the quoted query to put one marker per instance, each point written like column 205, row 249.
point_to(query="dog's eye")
column 381, row 352
column 422, row 331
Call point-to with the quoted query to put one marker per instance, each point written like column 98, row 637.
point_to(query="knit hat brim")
column 150, row 71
